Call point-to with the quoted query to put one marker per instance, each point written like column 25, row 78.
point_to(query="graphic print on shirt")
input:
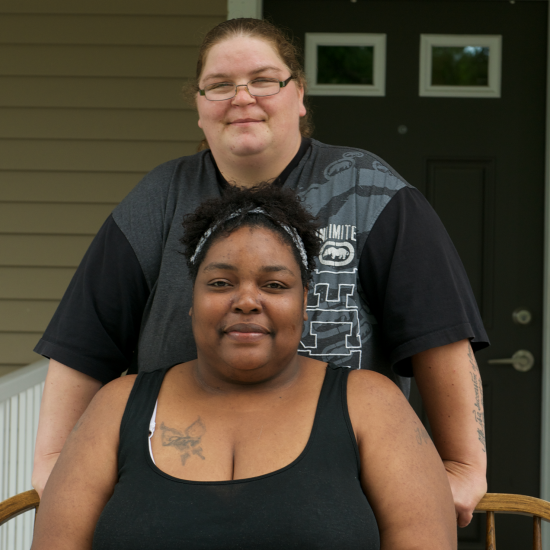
column 340, row 326
column 333, row 332
column 336, row 252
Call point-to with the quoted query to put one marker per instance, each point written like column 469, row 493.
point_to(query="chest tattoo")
column 188, row 442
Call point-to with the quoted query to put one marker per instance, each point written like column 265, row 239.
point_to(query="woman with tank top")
column 250, row 445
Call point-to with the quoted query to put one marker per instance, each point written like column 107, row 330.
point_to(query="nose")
column 246, row 300
column 243, row 96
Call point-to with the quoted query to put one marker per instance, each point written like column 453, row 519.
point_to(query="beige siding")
column 82, row 92
column 213, row 8
column 130, row 124
column 90, row 101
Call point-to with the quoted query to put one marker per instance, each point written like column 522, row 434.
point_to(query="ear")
column 301, row 107
column 191, row 311
column 199, row 123
column 305, row 303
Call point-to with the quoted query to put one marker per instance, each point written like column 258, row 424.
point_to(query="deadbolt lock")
column 522, row 316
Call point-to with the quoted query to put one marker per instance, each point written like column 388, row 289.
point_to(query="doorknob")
column 522, row 361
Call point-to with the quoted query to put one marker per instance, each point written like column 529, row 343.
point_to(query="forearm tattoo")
column 188, row 442
column 478, row 410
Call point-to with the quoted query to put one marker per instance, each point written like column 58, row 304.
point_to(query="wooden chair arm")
column 18, row 504
column 514, row 504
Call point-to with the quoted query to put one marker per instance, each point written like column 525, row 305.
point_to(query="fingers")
column 468, row 486
column 38, row 486
column 464, row 517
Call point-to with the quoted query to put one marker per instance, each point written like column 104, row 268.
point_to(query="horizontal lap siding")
column 97, row 61
column 17, row 283
column 67, row 186
column 42, row 251
column 89, row 155
column 81, row 92
column 142, row 30
column 81, row 124
column 213, row 8
column 90, row 101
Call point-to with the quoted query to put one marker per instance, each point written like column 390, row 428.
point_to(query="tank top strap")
column 134, row 427
column 333, row 438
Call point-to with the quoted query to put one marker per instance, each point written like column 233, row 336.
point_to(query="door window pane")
column 345, row 64
column 460, row 66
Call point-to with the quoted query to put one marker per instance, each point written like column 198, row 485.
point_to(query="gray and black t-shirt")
column 388, row 284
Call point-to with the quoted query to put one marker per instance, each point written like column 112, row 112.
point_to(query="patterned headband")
column 290, row 230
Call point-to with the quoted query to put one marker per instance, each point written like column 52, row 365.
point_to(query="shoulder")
column 367, row 388
column 408, row 207
column 110, row 401
column 157, row 183
column 118, row 389
column 374, row 396
column 349, row 183
column 344, row 158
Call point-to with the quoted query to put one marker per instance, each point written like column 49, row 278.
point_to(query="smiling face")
column 248, row 306
column 247, row 125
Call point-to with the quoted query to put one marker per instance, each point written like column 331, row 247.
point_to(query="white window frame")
column 244, row 8
column 377, row 88
column 493, row 42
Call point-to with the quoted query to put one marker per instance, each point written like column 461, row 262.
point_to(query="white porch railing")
column 20, row 396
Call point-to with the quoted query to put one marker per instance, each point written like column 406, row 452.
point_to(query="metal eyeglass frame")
column 281, row 85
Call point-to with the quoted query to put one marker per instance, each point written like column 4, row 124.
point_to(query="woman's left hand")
column 468, row 486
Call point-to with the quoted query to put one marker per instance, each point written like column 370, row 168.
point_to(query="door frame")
column 253, row 8
column 244, row 8
column 545, row 420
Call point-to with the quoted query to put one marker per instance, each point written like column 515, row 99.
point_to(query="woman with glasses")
column 250, row 445
column 389, row 292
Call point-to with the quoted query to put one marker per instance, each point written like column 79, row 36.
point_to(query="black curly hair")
column 282, row 206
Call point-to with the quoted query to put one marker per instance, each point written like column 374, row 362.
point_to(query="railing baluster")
column 4, row 423
column 12, row 462
column 20, row 396
column 21, row 440
column 28, row 518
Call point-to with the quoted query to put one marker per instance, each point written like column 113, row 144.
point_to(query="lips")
column 244, row 121
column 246, row 328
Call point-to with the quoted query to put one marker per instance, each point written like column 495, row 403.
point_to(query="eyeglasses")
column 259, row 87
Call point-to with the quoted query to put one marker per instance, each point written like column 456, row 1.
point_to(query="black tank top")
column 316, row 502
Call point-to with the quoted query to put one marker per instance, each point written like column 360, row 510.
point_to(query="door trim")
column 244, row 8
column 545, row 420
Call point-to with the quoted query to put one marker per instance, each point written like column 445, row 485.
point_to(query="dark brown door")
column 481, row 164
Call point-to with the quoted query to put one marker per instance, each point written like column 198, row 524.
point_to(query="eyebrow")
column 254, row 72
column 216, row 265
column 275, row 268
column 265, row 268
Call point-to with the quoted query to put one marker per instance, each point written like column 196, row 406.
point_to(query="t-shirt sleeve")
column 415, row 283
column 96, row 327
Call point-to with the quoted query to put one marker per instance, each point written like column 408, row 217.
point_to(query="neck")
column 250, row 170
column 225, row 379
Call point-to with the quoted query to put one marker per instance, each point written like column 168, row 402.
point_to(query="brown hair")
column 254, row 28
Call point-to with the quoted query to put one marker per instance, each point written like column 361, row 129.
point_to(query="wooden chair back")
column 514, row 504
column 23, row 502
